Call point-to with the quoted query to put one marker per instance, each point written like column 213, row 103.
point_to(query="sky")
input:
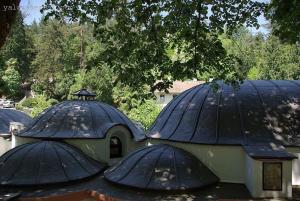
column 31, row 10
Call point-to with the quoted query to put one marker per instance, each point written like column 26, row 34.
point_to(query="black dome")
column 161, row 167
column 259, row 112
column 45, row 162
column 9, row 115
column 79, row 119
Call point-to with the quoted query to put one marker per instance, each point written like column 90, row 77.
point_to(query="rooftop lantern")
column 84, row 94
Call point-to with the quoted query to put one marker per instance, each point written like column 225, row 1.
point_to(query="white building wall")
column 227, row 162
column 99, row 149
column 296, row 165
column 254, row 182
column 5, row 145
column 232, row 164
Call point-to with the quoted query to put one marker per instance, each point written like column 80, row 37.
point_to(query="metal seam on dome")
column 293, row 81
column 20, row 164
column 129, row 170
column 241, row 117
column 74, row 157
column 199, row 115
column 5, row 120
column 39, row 118
column 178, row 179
column 117, row 112
column 51, row 116
column 125, row 159
column 92, row 119
column 173, row 101
column 155, row 164
column 262, row 102
column 172, row 110
column 12, row 151
column 63, row 122
column 40, row 162
column 76, row 127
column 218, row 115
column 61, row 163
column 182, row 96
column 104, row 110
column 285, row 96
column 185, row 109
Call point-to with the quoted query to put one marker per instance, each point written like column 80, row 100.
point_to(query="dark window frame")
column 263, row 176
column 118, row 146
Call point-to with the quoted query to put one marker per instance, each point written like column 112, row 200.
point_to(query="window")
column 162, row 98
column 272, row 176
column 115, row 147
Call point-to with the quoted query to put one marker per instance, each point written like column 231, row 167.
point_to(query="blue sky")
column 31, row 10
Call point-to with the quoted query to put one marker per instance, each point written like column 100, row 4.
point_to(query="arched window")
column 115, row 147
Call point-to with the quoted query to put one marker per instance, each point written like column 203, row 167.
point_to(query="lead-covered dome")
column 10, row 115
column 79, row 119
column 258, row 112
column 161, row 167
column 45, row 162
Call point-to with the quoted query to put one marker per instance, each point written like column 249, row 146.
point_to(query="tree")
column 279, row 60
column 137, row 34
column 49, row 57
column 285, row 19
column 12, row 79
column 145, row 113
column 8, row 13
column 18, row 46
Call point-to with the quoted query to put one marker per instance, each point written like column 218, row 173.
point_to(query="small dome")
column 45, row 162
column 79, row 119
column 258, row 112
column 9, row 115
column 161, row 167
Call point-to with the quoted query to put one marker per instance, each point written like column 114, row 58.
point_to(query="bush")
column 36, row 105
column 145, row 113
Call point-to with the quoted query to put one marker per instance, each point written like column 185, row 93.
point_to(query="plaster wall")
column 5, row 145
column 99, row 149
column 227, row 162
column 16, row 141
column 296, row 165
column 254, row 182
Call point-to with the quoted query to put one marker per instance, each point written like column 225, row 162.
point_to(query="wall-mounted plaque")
column 272, row 176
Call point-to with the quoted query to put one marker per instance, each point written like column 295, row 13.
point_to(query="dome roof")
column 45, row 162
column 161, row 167
column 9, row 115
column 79, row 119
column 258, row 112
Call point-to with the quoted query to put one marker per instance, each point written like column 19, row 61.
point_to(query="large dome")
column 161, row 167
column 45, row 162
column 79, row 119
column 9, row 115
column 258, row 112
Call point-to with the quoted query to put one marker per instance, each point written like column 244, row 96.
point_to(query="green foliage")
column 36, row 105
column 279, row 61
column 11, row 79
column 100, row 80
column 137, row 35
column 18, row 46
column 145, row 113
column 285, row 19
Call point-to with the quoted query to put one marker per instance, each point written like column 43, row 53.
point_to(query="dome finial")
column 84, row 94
